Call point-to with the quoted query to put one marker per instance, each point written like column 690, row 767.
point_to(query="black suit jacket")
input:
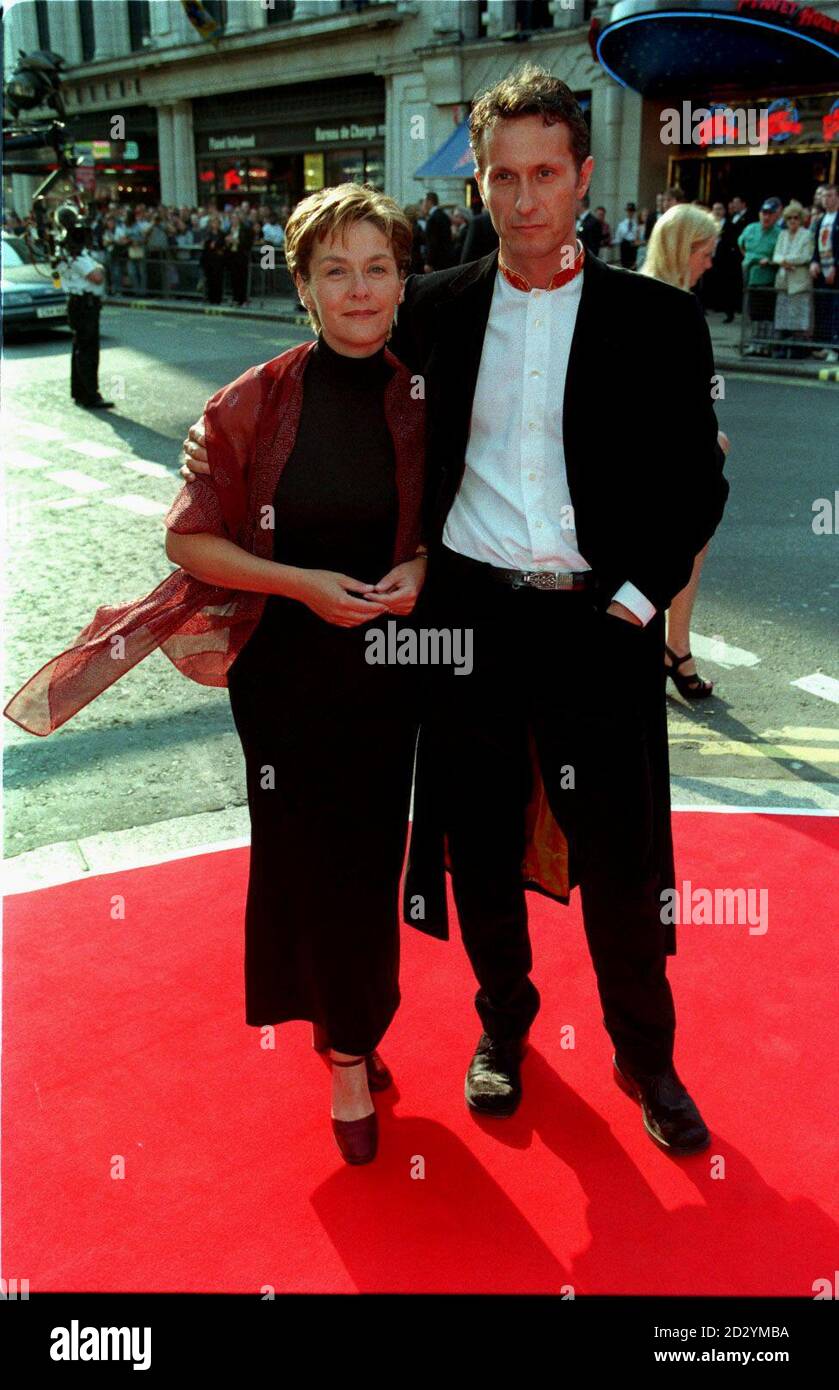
column 644, row 468
column 591, row 233
column 439, row 245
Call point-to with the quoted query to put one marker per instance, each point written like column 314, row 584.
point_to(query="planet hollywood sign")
column 802, row 16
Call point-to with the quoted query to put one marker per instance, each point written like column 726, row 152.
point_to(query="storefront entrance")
column 718, row 177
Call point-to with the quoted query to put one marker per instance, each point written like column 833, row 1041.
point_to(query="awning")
column 453, row 159
column 677, row 50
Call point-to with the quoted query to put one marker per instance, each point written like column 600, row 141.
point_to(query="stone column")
column 113, row 37
column 186, row 181
column 243, row 15
column 65, row 34
column 166, row 154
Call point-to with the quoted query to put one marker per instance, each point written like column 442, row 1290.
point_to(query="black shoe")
column 98, row 404
column 493, row 1081
column 670, row 1117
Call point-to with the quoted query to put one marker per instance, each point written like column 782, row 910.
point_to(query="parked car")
column 30, row 299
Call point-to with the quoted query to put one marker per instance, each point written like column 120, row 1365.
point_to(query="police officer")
column 84, row 281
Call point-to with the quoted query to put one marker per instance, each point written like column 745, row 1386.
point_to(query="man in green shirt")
column 757, row 243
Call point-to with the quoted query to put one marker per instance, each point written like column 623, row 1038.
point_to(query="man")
column 560, row 559
column 728, row 260
column 605, row 229
column 626, row 236
column 823, row 268
column 589, row 228
column 757, row 242
column 439, row 247
column 481, row 237
column 654, row 214
column 83, row 279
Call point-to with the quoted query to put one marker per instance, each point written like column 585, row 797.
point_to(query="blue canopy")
column 453, row 159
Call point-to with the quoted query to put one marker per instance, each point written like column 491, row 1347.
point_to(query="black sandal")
column 691, row 687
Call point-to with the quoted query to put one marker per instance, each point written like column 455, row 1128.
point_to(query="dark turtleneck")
column 336, row 499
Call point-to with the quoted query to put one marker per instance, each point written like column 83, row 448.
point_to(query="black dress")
column 328, row 737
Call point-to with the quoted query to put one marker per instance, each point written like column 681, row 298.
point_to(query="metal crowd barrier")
column 177, row 273
column 762, row 327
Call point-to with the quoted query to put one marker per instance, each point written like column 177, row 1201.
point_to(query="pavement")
column 725, row 337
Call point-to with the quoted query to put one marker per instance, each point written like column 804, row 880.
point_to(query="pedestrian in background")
column 83, row 279
column 793, row 284
column 627, row 236
column 757, row 242
column 681, row 250
column 213, row 257
column 439, row 251
column 823, row 270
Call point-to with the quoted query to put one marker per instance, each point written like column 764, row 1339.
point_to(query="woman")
column 311, row 515
column 213, row 256
column 135, row 239
column 239, row 246
column 793, row 283
column 681, row 249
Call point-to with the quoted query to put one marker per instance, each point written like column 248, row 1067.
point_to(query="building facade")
column 289, row 95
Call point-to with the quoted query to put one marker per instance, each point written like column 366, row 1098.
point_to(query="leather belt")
column 544, row 579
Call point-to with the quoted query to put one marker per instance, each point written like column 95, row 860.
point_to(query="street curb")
column 760, row 366
column 119, row 851
column 214, row 310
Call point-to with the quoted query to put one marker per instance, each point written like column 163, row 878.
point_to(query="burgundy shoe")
column 358, row 1140
column 670, row 1116
column 379, row 1075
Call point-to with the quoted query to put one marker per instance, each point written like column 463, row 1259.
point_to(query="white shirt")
column 73, row 270
column 627, row 229
column 513, row 508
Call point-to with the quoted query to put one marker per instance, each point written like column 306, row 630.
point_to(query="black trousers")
column 628, row 254
column 83, row 312
column 553, row 667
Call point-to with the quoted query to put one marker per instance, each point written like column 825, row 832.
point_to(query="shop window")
column 43, row 21
column 533, row 14
column 87, row 30
column 344, row 166
column 139, row 23
column 313, row 172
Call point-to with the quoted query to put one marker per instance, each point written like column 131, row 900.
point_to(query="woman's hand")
column 193, row 457
column 723, row 441
column 330, row 596
column 399, row 590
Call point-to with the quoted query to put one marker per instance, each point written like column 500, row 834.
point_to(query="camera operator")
column 84, row 280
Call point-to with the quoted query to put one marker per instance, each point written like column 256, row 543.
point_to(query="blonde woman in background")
column 794, row 299
column 680, row 250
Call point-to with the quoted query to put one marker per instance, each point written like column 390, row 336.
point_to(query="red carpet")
column 125, row 1044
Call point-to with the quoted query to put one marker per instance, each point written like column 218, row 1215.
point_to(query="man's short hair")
column 529, row 91
column 431, row 197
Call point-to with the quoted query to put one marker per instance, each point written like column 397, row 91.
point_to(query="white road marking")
column 64, row 503
column 44, row 432
column 79, row 482
column 819, row 684
column 17, row 458
column 91, row 449
column 147, row 467
column 796, row 732
column 717, row 650
column 142, row 506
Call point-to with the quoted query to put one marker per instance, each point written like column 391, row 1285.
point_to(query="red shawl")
column 251, row 425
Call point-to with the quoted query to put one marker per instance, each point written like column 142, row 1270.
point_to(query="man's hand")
column 815, row 270
column 193, row 456
column 621, row 611
column 399, row 590
column 723, row 441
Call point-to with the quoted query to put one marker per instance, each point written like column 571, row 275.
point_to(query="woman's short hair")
column 793, row 209
column 676, row 235
column 330, row 212
column 529, row 91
